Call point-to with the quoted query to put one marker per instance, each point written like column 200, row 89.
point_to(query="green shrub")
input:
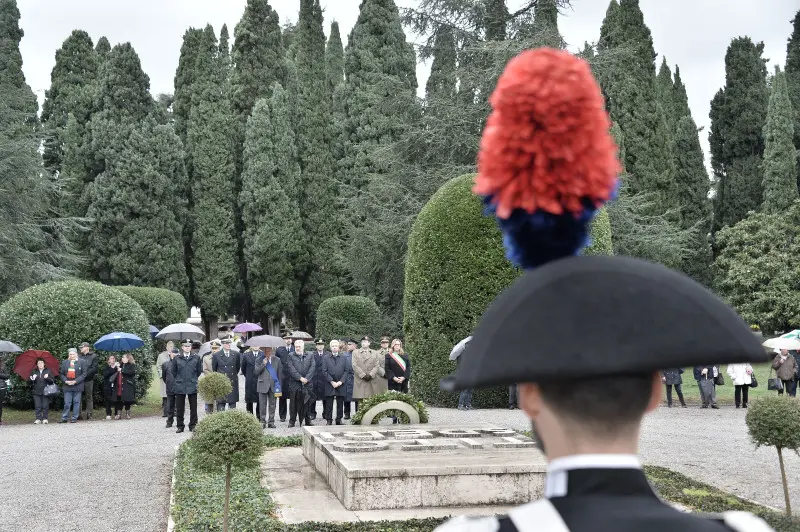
column 214, row 386
column 349, row 317
column 601, row 235
column 455, row 267
column 228, row 439
column 163, row 307
column 274, row 442
column 56, row 316
column 774, row 421
column 391, row 395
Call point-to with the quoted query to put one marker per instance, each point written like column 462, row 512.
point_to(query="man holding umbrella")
column 186, row 369
column 89, row 359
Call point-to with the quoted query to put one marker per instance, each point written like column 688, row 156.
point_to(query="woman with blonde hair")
column 398, row 367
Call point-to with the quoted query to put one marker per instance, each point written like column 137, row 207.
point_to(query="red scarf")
column 119, row 384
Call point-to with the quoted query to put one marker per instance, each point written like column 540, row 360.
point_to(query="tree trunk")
column 785, row 484
column 228, row 498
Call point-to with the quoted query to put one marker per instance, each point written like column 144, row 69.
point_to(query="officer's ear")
column 530, row 399
column 656, row 392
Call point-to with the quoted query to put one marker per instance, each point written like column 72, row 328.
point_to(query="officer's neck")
column 559, row 443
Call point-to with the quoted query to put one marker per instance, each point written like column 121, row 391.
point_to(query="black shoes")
column 180, row 429
column 270, row 425
column 328, row 422
column 308, row 422
column 347, row 416
column 62, row 421
column 291, row 425
column 339, row 422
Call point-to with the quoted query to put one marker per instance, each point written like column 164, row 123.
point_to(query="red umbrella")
column 27, row 361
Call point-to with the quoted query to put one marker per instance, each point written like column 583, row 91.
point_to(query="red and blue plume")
column 547, row 161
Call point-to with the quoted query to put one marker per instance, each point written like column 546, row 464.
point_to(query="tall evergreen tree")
column 442, row 82
column 317, row 190
column 214, row 266
column 194, row 43
column 274, row 240
column 665, row 89
column 679, row 96
column 695, row 209
column 630, row 87
column 793, row 75
column 103, row 48
column 258, row 57
column 736, row 139
column 780, row 162
column 334, row 59
column 224, row 46
column 545, row 25
column 136, row 236
column 71, row 91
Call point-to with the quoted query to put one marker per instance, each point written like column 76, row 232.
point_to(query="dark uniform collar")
column 610, row 474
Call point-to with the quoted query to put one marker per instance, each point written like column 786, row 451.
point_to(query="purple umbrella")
column 247, row 327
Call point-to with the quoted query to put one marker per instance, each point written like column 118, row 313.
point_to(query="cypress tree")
column 71, row 91
column 442, row 81
column 793, row 75
column 194, row 43
column 692, row 187
column 274, row 240
column 334, row 59
column 738, row 113
column 103, row 47
column 545, row 24
column 258, row 56
column 136, row 236
column 630, row 87
column 381, row 82
column 679, row 97
column 780, row 163
column 317, row 191
column 123, row 92
column 495, row 20
column 665, row 89
column 224, row 46
column 214, row 247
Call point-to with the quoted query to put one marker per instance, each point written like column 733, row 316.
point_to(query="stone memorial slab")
column 416, row 466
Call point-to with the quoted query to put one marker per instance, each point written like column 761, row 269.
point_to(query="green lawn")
column 725, row 392
column 149, row 405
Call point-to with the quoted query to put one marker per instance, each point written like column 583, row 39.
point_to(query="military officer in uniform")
column 597, row 330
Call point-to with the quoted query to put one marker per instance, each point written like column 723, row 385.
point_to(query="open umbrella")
column 25, row 363
column 783, row 343
column 459, row 348
column 247, row 327
column 265, row 340
column 119, row 342
column 300, row 335
column 181, row 331
column 9, row 347
column 153, row 331
column 205, row 348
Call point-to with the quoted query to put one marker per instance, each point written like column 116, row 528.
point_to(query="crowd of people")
column 289, row 378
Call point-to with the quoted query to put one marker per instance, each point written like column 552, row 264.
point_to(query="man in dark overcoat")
column 319, row 379
column 335, row 369
column 269, row 373
column 228, row 361
column 169, row 384
column 186, row 368
column 283, row 353
column 301, row 369
column 251, row 380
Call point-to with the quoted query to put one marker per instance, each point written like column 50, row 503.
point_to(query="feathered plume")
column 547, row 161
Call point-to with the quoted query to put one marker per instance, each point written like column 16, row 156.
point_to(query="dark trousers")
column 283, row 402
column 313, row 409
column 180, row 406
column 356, row 401
column 42, row 405
column 790, row 387
column 465, row 399
column 513, row 400
column 327, row 407
column 249, row 406
column 677, row 390
column 170, row 409
column 347, row 407
column 740, row 392
column 297, row 407
column 88, row 394
column 221, row 406
column 266, row 405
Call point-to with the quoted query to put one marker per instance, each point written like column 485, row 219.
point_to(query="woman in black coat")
column 39, row 378
column 128, row 392
column 398, row 367
column 109, row 385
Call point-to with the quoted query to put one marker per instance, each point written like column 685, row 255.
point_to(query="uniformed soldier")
column 597, row 330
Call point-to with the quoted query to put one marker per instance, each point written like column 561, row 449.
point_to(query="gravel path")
column 124, row 483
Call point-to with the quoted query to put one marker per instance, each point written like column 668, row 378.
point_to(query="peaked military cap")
column 319, row 341
column 187, row 342
column 598, row 316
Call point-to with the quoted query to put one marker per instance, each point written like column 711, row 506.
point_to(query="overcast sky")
column 692, row 33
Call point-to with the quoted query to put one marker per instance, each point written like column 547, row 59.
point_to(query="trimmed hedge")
column 163, row 307
column 455, row 267
column 391, row 395
column 56, row 316
column 349, row 317
column 601, row 235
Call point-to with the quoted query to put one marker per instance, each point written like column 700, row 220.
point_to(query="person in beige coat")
column 369, row 371
column 216, row 345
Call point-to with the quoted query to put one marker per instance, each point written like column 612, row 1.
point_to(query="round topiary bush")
column 774, row 421
column 228, row 439
column 56, row 316
column 455, row 267
column 391, row 395
column 214, row 386
column 163, row 307
column 349, row 317
column 601, row 235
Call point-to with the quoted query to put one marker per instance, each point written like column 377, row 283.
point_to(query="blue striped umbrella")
column 119, row 341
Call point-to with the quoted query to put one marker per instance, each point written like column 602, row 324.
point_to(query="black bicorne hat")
column 598, row 316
